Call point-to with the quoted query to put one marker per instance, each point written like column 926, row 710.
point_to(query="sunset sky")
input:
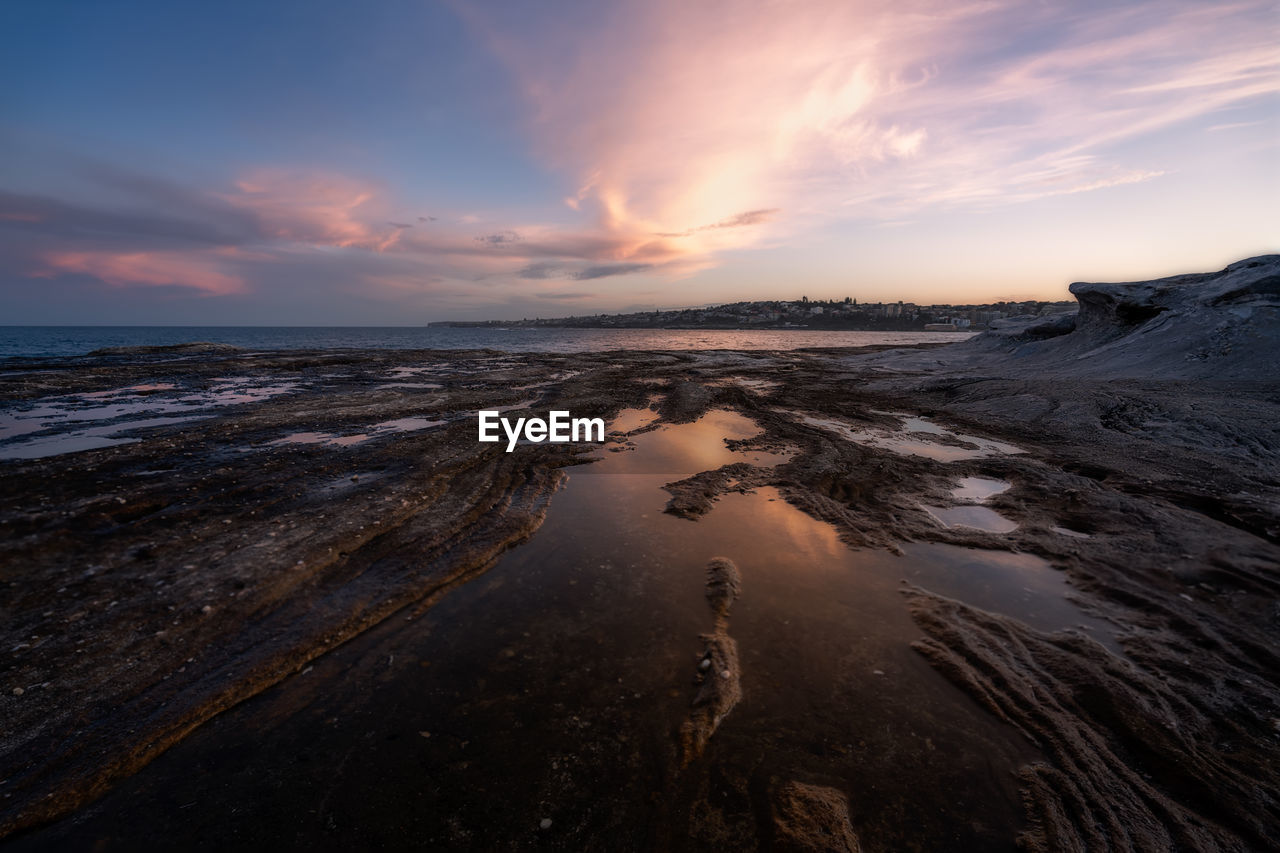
column 393, row 163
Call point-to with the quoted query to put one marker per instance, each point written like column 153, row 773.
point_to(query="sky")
column 407, row 161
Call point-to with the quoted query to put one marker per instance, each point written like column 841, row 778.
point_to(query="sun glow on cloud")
column 676, row 116
column 320, row 209
column 682, row 133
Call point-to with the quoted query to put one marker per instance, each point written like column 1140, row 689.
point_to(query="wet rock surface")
column 719, row 676
column 1131, row 762
column 1217, row 325
column 812, row 819
column 205, row 590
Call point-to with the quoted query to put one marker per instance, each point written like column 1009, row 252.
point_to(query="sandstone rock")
column 812, row 819
column 724, row 585
column 1223, row 325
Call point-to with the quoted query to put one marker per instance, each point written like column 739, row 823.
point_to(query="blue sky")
column 402, row 162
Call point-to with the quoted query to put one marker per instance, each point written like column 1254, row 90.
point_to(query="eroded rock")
column 719, row 690
column 719, row 677
column 724, row 585
column 812, row 819
column 1134, row 762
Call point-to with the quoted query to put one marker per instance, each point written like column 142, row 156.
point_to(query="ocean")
column 58, row 341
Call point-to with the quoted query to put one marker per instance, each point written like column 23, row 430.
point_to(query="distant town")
column 803, row 313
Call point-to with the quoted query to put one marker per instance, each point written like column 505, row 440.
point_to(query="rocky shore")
column 229, row 519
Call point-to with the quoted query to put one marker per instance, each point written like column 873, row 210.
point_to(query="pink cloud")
column 673, row 116
column 318, row 208
column 679, row 116
column 687, row 130
column 198, row 270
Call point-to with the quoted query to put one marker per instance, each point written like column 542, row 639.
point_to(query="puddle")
column 630, row 419
column 321, row 438
column 913, row 439
column 1023, row 586
column 979, row 517
column 376, row 431
column 1074, row 534
column 406, row 424
column 559, row 676
column 228, row 392
column 84, row 439
column 62, row 412
column 676, row 451
column 915, row 424
column 71, row 415
column 978, row 489
column 971, row 491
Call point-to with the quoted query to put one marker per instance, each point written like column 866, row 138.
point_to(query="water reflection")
column 917, row 437
column 632, row 419
column 90, row 438
column 73, row 422
column 549, row 688
column 676, row 451
column 1023, row 586
column 978, row 489
column 978, row 517
column 376, row 431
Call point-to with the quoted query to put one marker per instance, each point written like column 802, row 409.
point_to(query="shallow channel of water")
column 549, row 689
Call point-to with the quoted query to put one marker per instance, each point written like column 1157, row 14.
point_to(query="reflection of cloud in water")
column 1020, row 585
column 912, row 439
column 629, row 419
column 979, row 517
column 376, row 431
column 681, row 450
column 764, row 533
column 84, row 439
column 83, row 421
column 978, row 489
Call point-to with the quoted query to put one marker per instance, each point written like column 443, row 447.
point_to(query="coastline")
column 18, row 343
column 158, row 584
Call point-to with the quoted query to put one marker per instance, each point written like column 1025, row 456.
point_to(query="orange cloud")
column 315, row 208
column 684, row 119
column 671, row 116
column 686, row 130
column 196, row 270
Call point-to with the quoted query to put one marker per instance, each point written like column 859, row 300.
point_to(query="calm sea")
column 29, row 341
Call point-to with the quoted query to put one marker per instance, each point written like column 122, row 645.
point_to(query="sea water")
column 35, row 341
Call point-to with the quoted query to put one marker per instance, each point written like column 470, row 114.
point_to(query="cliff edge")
column 1223, row 325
